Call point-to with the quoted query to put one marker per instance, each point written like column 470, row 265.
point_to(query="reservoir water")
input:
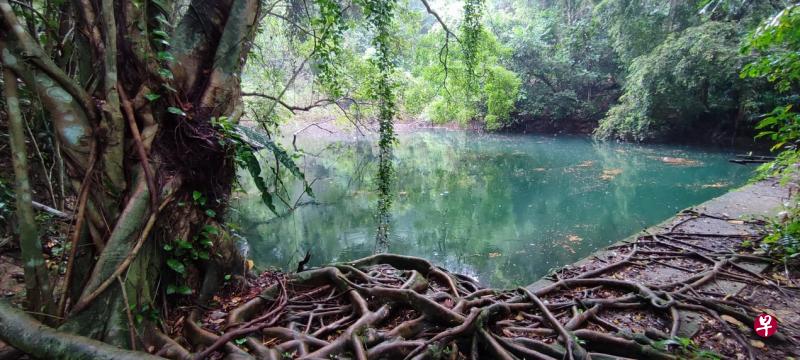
column 504, row 209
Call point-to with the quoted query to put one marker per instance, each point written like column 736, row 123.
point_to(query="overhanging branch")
column 292, row 108
column 439, row 19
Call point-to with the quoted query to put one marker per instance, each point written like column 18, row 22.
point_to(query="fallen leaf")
column 758, row 344
column 678, row 161
column 250, row 264
column 715, row 185
column 574, row 238
column 610, row 174
column 519, row 317
column 779, row 277
column 733, row 321
column 736, row 222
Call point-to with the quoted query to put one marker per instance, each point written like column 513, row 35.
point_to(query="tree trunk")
column 37, row 281
column 133, row 117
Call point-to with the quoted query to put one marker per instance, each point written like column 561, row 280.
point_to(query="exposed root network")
column 398, row 307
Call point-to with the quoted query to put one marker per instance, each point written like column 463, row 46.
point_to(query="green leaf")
column 203, row 255
column 160, row 33
column 196, row 195
column 176, row 111
column 165, row 56
column 184, row 290
column 176, row 265
column 167, row 247
column 151, row 96
column 171, row 289
column 209, row 229
column 240, row 341
column 166, row 74
column 162, row 19
column 227, row 277
column 183, row 244
column 211, row 213
column 259, row 140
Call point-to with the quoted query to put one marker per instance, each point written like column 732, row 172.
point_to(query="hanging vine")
column 330, row 26
column 471, row 29
column 379, row 14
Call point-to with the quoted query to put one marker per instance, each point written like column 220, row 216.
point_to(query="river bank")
column 705, row 251
column 689, row 288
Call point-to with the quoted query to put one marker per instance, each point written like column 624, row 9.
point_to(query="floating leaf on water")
column 610, row 174
column 494, row 254
column 574, row 238
column 679, row 161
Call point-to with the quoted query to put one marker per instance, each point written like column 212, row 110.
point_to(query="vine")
column 328, row 48
column 379, row 14
column 471, row 31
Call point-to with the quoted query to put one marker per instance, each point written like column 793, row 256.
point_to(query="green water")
column 504, row 209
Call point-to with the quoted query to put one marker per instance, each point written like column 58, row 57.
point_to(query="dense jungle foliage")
column 633, row 70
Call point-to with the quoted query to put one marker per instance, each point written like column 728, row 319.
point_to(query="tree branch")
column 292, row 108
column 439, row 19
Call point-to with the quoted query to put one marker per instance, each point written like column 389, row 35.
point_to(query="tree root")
column 399, row 307
column 24, row 333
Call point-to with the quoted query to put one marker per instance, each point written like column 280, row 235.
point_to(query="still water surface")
column 504, row 209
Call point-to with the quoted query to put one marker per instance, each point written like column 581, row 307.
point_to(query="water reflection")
column 504, row 209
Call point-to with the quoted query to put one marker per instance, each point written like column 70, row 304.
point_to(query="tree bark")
column 43, row 342
column 37, row 280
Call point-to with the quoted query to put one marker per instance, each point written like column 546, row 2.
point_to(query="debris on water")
column 610, row 174
column 586, row 163
column 716, row 185
column 679, row 161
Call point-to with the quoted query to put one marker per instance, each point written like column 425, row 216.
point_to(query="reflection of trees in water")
column 505, row 209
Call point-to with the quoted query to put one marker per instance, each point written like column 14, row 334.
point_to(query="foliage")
column 777, row 43
column 328, row 48
column 380, row 14
column 565, row 60
column 502, row 89
column 244, row 143
column 689, row 79
column 455, row 93
column 686, row 349
column 471, row 29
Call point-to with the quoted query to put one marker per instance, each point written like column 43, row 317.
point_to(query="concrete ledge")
column 758, row 200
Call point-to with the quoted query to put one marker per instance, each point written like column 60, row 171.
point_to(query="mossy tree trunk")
column 131, row 94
